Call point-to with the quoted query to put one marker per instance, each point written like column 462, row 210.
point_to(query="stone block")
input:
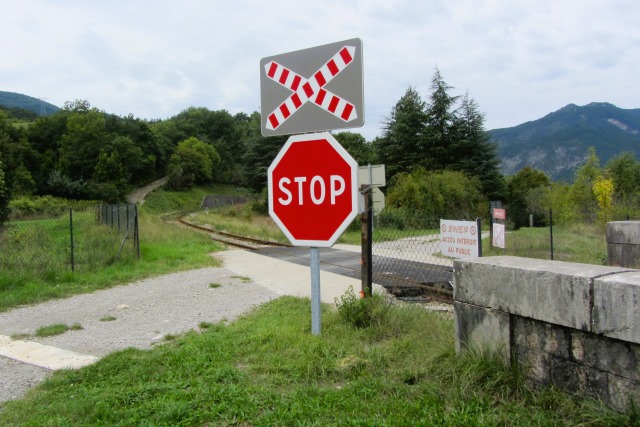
column 625, row 232
column 551, row 291
column 542, row 337
column 483, row 329
column 622, row 393
column 623, row 243
column 616, row 306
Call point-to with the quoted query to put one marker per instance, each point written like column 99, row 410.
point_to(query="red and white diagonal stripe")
column 311, row 89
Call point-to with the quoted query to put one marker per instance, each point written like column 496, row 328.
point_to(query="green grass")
column 163, row 201
column 583, row 243
column 56, row 329
column 31, row 274
column 268, row 369
column 239, row 220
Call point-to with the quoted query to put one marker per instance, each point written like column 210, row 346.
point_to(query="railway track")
column 233, row 239
column 402, row 288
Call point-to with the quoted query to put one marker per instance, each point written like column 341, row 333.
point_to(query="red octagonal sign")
column 313, row 189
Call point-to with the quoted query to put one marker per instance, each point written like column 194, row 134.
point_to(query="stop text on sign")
column 317, row 189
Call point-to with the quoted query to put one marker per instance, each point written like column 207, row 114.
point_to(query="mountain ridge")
column 26, row 102
column 557, row 143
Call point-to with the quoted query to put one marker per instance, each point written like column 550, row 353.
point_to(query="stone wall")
column 576, row 326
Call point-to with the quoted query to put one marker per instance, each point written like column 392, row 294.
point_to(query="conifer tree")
column 472, row 151
column 399, row 148
column 440, row 124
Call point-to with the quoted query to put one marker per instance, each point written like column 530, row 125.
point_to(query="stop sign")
column 313, row 189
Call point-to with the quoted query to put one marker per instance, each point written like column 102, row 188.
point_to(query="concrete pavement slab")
column 41, row 355
column 285, row 278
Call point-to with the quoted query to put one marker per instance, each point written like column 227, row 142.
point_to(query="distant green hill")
column 558, row 142
column 17, row 100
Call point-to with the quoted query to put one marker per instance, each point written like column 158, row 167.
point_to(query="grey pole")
column 315, row 290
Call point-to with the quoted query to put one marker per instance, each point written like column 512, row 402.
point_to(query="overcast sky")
column 518, row 59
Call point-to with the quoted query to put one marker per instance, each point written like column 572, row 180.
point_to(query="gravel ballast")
column 137, row 315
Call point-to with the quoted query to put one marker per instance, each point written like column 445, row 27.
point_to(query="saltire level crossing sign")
column 314, row 89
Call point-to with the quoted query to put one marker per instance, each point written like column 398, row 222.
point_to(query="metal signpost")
column 313, row 181
column 370, row 178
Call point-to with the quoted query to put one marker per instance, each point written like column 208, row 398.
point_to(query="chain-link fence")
column 122, row 218
column 76, row 241
column 406, row 253
column 573, row 241
column 406, row 250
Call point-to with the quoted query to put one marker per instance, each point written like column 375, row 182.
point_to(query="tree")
column 192, row 163
column 400, row 147
column 473, row 152
column 45, row 138
column 624, row 170
column 10, row 161
column 259, row 151
column 582, row 189
column 4, row 195
column 356, row 145
column 81, row 144
column 151, row 159
column 603, row 189
column 216, row 128
column 518, row 188
column 437, row 194
column 440, row 125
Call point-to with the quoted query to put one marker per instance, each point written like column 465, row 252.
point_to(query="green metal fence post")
column 551, row 231
column 136, row 234
column 479, row 227
column 71, row 235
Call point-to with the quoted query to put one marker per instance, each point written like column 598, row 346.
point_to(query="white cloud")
column 519, row 59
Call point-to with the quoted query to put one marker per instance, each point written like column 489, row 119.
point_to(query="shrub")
column 361, row 312
column 440, row 194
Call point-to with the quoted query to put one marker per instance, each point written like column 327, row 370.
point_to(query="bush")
column 440, row 194
column 44, row 206
column 361, row 312
column 259, row 205
column 4, row 196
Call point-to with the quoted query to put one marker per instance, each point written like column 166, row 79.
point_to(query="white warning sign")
column 498, row 235
column 459, row 239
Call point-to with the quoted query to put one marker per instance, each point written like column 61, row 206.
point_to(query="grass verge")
column 582, row 243
column 37, row 275
column 267, row 369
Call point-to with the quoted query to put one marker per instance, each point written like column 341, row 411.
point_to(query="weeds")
column 56, row 329
column 361, row 312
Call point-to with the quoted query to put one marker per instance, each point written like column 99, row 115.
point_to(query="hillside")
column 557, row 143
column 17, row 100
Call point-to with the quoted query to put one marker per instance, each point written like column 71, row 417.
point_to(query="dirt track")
column 137, row 196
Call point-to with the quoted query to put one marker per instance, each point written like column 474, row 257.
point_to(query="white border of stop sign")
column 320, row 189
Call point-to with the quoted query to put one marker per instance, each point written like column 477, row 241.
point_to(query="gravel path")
column 138, row 195
column 145, row 312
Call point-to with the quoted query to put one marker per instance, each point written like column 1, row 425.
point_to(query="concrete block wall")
column 573, row 325
column 623, row 243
